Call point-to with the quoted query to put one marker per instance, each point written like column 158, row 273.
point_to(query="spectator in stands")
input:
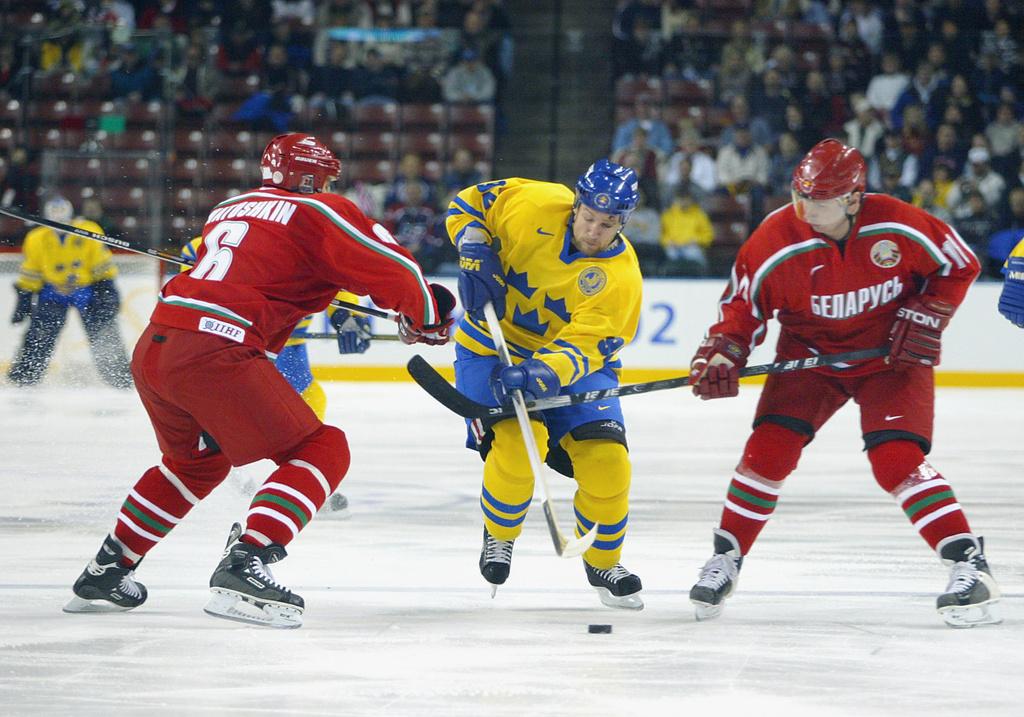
column 739, row 113
column 280, row 71
column 743, row 169
column 842, row 78
column 915, row 134
column 419, row 84
column 936, row 57
column 977, row 177
column 239, row 53
column 988, row 80
column 64, row 47
column 924, row 196
column 461, row 173
column 689, row 166
column 891, row 185
column 133, row 78
column 645, row 236
column 373, row 81
column 469, row 80
column 947, row 148
column 961, row 95
column 892, row 157
column 868, row 20
column 887, row 86
column 686, row 233
column 742, row 43
column 689, row 53
column 195, row 84
column 957, row 45
column 296, row 44
column 943, row 178
column 975, row 221
column 639, row 53
column 999, row 41
column 770, row 100
column 817, row 104
column 806, row 135
column 864, row 131
column 925, row 89
column 1004, row 135
column 412, row 221
column 18, row 184
column 410, row 171
column 645, row 114
column 337, row 13
column 641, row 157
column 13, row 77
column 1009, row 234
column 271, row 108
column 732, row 78
column 330, row 84
column 783, row 162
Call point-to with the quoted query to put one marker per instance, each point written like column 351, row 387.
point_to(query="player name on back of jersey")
column 851, row 303
column 276, row 210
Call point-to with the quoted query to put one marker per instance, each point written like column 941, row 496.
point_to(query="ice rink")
column 834, row 614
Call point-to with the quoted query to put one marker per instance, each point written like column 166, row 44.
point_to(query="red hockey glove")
column 715, row 368
column 434, row 334
column 916, row 335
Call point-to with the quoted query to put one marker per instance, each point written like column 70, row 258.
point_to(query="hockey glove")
column 23, row 307
column 533, row 377
column 715, row 368
column 1011, row 301
column 104, row 302
column 353, row 331
column 916, row 335
column 481, row 279
column 434, row 334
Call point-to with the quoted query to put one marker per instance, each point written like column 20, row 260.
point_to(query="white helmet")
column 58, row 209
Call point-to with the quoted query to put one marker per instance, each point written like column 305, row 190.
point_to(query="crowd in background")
column 929, row 91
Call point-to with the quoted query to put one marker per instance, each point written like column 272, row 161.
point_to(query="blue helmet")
column 610, row 188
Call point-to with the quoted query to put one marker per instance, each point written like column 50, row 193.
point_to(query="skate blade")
column 494, row 591
column 232, row 606
column 970, row 615
column 77, row 604
column 704, row 611
column 621, row 602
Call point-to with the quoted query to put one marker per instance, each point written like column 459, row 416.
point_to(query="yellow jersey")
column 64, row 261
column 572, row 311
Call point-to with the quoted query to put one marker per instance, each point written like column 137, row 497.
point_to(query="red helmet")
column 830, row 169
column 299, row 163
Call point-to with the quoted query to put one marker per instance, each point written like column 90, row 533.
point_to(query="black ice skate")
column 105, row 585
column 244, row 589
column 718, row 577
column 495, row 560
column 971, row 590
column 616, row 586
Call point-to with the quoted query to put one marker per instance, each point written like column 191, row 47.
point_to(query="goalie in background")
column 354, row 332
column 843, row 270
column 566, row 287
column 61, row 271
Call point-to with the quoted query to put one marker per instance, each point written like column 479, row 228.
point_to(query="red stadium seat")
column 369, row 171
column 685, row 92
column 376, row 117
column 423, row 118
column 374, row 145
column 471, row 118
column 429, row 146
column 481, row 145
column 726, row 208
column 628, row 89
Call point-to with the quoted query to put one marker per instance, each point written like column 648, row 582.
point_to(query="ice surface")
column 833, row 616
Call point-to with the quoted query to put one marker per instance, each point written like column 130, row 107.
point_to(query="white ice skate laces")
column 129, row 587
column 498, row 551
column 717, row 571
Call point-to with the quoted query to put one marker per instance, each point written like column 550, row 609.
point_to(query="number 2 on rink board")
column 435, row 384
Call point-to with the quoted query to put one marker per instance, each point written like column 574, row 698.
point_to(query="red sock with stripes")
column 770, row 455
column 293, row 493
column 923, row 494
column 161, row 498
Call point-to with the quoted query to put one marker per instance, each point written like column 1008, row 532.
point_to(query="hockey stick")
column 162, row 255
column 564, row 547
column 329, row 335
column 435, row 384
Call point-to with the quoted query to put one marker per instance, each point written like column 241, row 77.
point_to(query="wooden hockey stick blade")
column 568, row 547
column 162, row 255
column 454, row 400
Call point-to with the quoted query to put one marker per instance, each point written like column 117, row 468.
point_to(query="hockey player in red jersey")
column 843, row 270
column 202, row 368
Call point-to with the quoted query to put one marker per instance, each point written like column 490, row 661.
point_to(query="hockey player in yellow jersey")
column 293, row 361
column 61, row 271
column 566, row 287
column 1011, row 300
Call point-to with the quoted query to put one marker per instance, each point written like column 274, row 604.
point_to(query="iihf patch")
column 885, row 254
column 592, row 280
column 602, row 200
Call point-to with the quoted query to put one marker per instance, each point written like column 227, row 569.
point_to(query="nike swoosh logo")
column 547, row 234
column 892, row 418
column 603, row 408
column 819, row 266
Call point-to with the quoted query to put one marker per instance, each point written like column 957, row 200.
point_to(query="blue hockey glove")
column 24, row 306
column 481, row 279
column 353, row 331
column 533, row 377
column 1011, row 301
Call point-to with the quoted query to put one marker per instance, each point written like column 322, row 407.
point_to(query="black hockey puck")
column 599, row 629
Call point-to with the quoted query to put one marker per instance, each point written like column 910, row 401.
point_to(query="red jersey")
column 831, row 297
column 270, row 257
